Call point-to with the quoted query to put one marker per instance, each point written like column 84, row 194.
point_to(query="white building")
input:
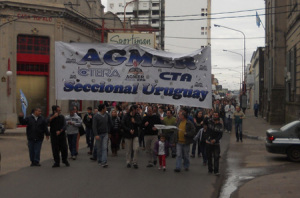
column 141, row 14
column 188, row 26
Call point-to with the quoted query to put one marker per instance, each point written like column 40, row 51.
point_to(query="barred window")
column 33, row 45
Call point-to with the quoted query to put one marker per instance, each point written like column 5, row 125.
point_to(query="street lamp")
column 124, row 21
column 244, row 42
column 237, row 54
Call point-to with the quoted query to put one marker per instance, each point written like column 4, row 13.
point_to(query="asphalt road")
column 84, row 178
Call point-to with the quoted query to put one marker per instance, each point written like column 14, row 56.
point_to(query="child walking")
column 161, row 149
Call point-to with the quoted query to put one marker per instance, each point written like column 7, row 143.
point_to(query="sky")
column 226, row 66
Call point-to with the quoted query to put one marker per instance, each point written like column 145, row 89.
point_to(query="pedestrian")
column 115, row 133
column 80, row 129
column 198, row 120
column 88, row 122
column 229, row 110
column 238, row 120
column 150, row 134
column 36, row 129
column 183, row 138
column 201, row 137
column 215, row 132
column 73, row 122
column 101, row 126
column 131, row 123
column 58, row 136
column 170, row 120
column 256, row 108
column 161, row 149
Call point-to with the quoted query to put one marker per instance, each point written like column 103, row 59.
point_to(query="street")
column 86, row 179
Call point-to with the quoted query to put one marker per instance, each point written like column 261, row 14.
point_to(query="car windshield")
column 289, row 125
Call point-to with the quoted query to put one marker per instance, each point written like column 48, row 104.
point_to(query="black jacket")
column 215, row 131
column 88, row 121
column 36, row 129
column 154, row 119
column 128, row 125
column 57, row 124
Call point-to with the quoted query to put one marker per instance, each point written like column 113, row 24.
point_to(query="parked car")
column 286, row 140
column 2, row 128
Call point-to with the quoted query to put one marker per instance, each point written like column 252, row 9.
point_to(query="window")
column 155, row 12
column 202, row 28
column 120, row 5
column 111, row 6
column 33, row 45
column 24, row 67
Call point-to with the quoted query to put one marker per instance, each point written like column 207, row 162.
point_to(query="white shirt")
column 161, row 148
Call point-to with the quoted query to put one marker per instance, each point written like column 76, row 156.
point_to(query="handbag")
column 81, row 131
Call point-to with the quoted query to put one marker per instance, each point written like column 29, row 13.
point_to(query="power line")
column 231, row 12
column 213, row 38
column 177, row 20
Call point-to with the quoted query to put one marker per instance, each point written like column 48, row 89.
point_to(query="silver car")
column 285, row 140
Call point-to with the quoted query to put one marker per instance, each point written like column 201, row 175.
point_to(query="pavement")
column 282, row 183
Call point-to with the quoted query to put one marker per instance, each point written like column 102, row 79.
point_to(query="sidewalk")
column 275, row 185
column 255, row 128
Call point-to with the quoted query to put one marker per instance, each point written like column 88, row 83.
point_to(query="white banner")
column 132, row 73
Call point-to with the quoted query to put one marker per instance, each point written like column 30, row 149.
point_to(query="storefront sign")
column 132, row 39
column 34, row 17
column 132, row 73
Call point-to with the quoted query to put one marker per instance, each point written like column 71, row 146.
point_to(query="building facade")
column 282, row 62
column 141, row 14
column 257, row 78
column 28, row 31
column 275, row 61
column 292, row 75
column 183, row 32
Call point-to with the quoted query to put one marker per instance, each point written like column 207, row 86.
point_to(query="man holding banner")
column 151, row 134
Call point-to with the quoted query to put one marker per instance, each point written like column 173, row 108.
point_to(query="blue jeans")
column 182, row 152
column 34, row 150
column 72, row 139
column 102, row 148
column 229, row 124
column 238, row 131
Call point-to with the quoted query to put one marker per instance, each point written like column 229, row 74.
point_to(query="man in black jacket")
column 58, row 136
column 88, row 122
column 215, row 132
column 35, row 131
column 151, row 133
column 131, row 123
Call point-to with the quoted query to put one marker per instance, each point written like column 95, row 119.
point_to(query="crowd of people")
column 133, row 127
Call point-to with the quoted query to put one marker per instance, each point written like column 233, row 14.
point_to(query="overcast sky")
column 222, row 61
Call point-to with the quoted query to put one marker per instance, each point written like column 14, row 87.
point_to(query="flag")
column 258, row 21
column 24, row 102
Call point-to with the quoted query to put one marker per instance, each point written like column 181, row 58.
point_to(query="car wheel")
column 293, row 154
